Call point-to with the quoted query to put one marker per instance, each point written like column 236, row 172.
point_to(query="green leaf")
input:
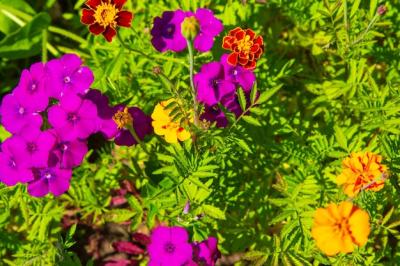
column 253, row 94
column 213, row 212
column 26, row 41
column 354, row 8
column 265, row 96
column 251, row 120
column 242, row 99
column 340, row 137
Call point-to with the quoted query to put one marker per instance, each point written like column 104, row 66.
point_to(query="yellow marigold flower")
column 338, row 228
column 362, row 171
column 164, row 126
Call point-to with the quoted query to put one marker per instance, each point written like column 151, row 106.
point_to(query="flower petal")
column 109, row 34
column 124, row 19
column 96, row 29
column 87, row 16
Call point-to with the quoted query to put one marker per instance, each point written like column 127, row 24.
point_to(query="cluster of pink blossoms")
column 51, row 113
column 168, row 246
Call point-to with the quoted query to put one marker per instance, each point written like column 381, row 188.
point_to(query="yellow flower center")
column 106, row 14
column 122, row 118
column 245, row 44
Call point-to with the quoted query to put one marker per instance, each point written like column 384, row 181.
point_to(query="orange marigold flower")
column 340, row 227
column 164, row 125
column 104, row 16
column 246, row 47
column 362, row 171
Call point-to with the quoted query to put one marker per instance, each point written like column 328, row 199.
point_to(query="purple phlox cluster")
column 171, row 246
column 167, row 30
column 217, row 83
column 51, row 113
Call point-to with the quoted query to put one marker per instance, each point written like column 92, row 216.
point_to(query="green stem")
column 68, row 34
column 136, row 137
column 370, row 25
column 194, row 93
column 130, row 48
column 44, row 46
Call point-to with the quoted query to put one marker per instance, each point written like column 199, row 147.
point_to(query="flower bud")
column 382, row 9
column 190, row 28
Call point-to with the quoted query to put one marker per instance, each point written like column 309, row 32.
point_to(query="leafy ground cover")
column 199, row 132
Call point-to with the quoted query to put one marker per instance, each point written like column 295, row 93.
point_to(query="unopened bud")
column 190, row 28
column 382, row 9
column 157, row 70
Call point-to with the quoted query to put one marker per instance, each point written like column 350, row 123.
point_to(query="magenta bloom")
column 70, row 153
column 50, row 179
column 105, row 113
column 141, row 124
column 206, row 252
column 169, row 246
column 238, row 75
column 211, row 84
column 31, row 90
column 68, row 75
column 14, row 167
column 35, row 146
column 210, row 27
column 166, row 32
column 73, row 117
column 15, row 115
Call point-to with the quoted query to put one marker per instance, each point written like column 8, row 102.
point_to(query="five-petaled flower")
column 362, row 171
column 246, row 47
column 340, row 227
column 104, row 16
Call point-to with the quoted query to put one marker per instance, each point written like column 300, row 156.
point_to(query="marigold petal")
column 251, row 65
column 109, row 33
column 119, row 3
column 347, row 244
column 87, row 16
column 345, row 209
column 171, row 136
column 183, row 134
column 93, row 3
column 234, row 31
column 124, row 19
column 96, row 29
column 233, row 59
column 250, row 33
column 227, row 42
column 359, row 226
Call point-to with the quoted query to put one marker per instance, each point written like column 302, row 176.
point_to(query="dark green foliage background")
column 329, row 83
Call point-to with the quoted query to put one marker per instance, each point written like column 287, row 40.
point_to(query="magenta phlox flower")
column 70, row 153
column 169, row 247
column 35, row 145
column 67, row 75
column 50, row 179
column 14, row 166
column 15, row 114
column 73, row 117
column 31, row 89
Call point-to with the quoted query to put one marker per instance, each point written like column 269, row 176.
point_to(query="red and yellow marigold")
column 104, row 16
column 362, row 171
column 246, row 47
column 339, row 228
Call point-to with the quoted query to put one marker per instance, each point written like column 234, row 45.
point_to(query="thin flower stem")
column 136, row 137
column 68, row 34
column 44, row 46
column 194, row 93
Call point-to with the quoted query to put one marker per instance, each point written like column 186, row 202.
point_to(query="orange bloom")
column 362, row 171
column 339, row 228
column 246, row 47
